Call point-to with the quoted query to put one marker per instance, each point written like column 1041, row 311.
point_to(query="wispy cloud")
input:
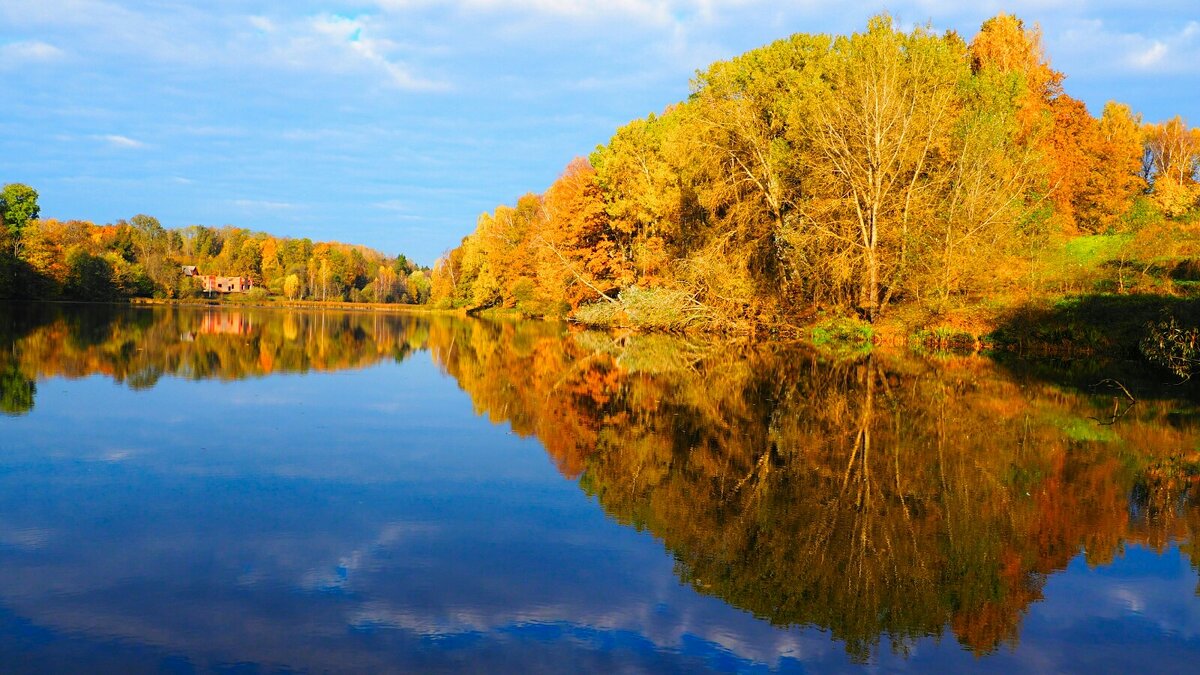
column 1150, row 57
column 333, row 43
column 399, row 210
column 1102, row 46
column 653, row 12
column 264, row 205
column 119, row 141
column 392, row 205
column 353, row 37
column 197, row 36
column 262, row 24
column 28, row 51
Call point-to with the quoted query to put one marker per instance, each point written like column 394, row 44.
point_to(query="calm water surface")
column 258, row 491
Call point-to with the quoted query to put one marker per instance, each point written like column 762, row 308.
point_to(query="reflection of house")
column 225, row 323
column 215, row 284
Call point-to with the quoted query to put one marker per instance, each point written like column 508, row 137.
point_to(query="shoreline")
column 1051, row 335
column 387, row 308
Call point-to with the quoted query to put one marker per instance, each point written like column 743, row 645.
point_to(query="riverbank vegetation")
column 910, row 180
column 139, row 258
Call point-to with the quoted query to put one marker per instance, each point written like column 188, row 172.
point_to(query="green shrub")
column 255, row 294
column 947, row 339
column 1171, row 346
column 1143, row 212
column 842, row 331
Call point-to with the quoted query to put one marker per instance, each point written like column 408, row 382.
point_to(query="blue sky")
column 395, row 123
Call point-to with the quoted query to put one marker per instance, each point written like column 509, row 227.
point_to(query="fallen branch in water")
column 1117, row 412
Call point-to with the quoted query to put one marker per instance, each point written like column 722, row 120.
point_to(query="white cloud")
column 118, row 141
column 1150, row 57
column 262, row 23
column 647, row 11
column 330, row 43
column 1097, row 47
column 264, row 205
column 29, row 51
column 398, row 210
column 207, row 37
column 352, row 37
column 392, row 205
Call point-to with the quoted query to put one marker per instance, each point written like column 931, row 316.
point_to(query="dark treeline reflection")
column 139, row 346
column 870, row 497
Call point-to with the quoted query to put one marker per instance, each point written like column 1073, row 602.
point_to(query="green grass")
column 1092, row 250
column 842, row 331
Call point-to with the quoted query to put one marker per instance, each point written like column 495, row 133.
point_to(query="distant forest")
column 77, row 260
column 880, row 174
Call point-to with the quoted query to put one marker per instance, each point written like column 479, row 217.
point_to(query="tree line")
column 75, row 259
column 846, row 173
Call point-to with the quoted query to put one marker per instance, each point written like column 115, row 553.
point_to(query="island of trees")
column 78, row 260
column 913, row 177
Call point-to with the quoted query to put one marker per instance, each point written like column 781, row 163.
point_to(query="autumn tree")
column 639, row 173
column 18, row 206
column 418, row 287
column 153, row 246
column 270, row 264
column 881, row 127
column 1173, row 156
column 447, row 270
column 385, row 283
column 1004, row 44
column 291, row 287
column 753, row 164
column 1114, row 178
column 89, row 277
column 980, row 197
column 578, row 258
column 1074, row 146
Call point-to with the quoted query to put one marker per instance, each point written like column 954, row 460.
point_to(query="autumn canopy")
column 856, row 172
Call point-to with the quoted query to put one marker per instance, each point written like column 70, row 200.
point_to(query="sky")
column 395, row 123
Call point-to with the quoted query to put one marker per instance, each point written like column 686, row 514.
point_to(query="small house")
column 216, row 284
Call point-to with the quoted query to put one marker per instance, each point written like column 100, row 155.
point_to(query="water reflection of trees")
column 140, row 346
column 875, row 497
column 871, row 497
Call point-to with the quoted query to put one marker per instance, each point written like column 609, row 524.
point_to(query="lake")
column 194, row 489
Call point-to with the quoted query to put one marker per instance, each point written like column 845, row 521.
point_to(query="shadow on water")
column 1090, row 345
column 873, row 497
column 1105, row 324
